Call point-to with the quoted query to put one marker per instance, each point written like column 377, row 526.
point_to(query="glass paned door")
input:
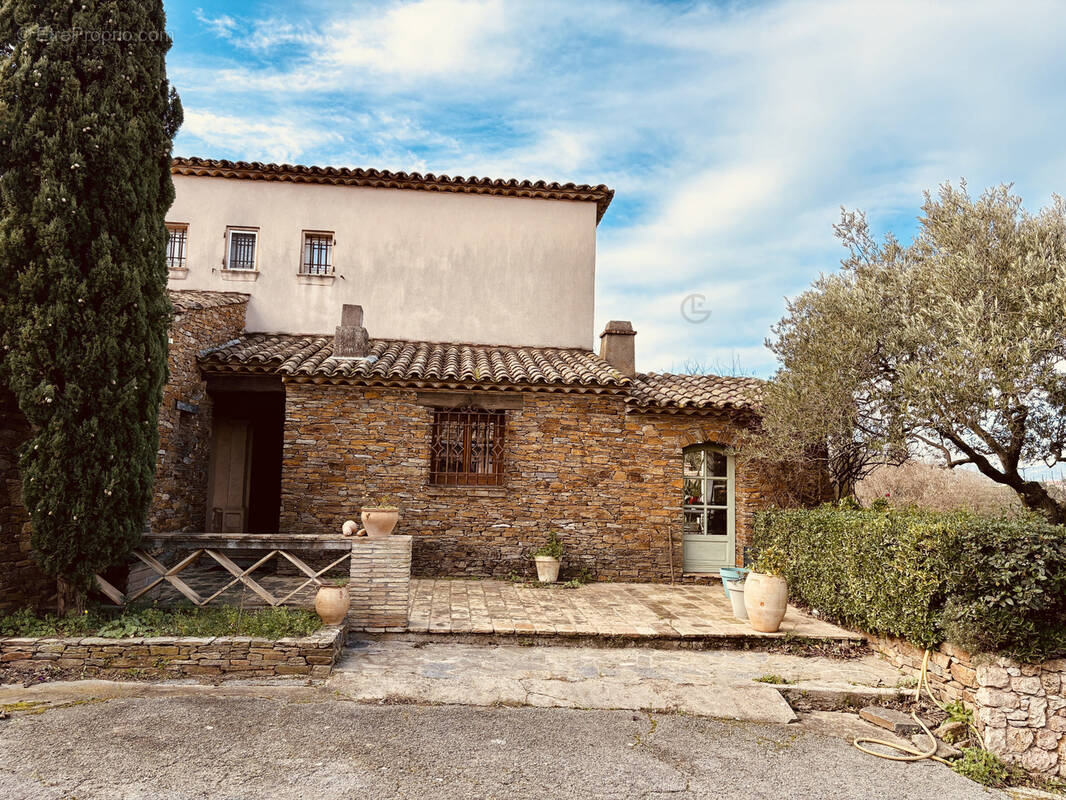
column 709, row 509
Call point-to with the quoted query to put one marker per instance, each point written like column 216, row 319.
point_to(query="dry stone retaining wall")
column 1020, row 708
column 181, row 656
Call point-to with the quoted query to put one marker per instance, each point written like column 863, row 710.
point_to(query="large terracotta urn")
column 331, row 604
column 765, row 599
column 379, row 522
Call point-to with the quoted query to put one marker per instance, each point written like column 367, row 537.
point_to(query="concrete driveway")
column 305, row 743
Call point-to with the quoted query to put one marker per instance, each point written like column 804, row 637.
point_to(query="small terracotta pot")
column 765, row 599
column 547, row 569
column 331, row 604
column 379, row 522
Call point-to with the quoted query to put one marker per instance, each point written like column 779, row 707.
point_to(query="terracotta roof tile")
column 419, row 363
column 694, row 392
column 600, row 195
column 195, row 299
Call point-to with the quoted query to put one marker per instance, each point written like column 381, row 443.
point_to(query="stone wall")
column 951, row 672
column 180, row 502
column 21, row 583
column 609, row 480
column 380, row 584
column 182, row 656
column 1020, row 708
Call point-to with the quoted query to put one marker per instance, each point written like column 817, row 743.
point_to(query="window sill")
column 444, row 490
column 239, row 274
column 177, row 273
column 315, row 280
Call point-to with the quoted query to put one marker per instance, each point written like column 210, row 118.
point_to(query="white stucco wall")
column 424, row 265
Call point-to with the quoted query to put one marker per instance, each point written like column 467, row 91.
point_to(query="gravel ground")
column 203, row 746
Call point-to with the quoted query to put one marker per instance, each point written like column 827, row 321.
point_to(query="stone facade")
column 1020, row 709
column 608, row 479
column 183, row 656
column 21, row 583
column 380, row 584
column 180, row 502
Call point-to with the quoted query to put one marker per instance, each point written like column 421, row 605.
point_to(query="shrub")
column 982, row 766
column 987, row 584
column 267, row 623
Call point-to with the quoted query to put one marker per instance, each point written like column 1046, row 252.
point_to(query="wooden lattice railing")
column 213, row 546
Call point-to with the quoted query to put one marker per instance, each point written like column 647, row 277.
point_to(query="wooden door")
column 231, row 462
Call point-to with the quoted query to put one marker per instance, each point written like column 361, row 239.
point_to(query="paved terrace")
column 622, row 610
column 627, row 610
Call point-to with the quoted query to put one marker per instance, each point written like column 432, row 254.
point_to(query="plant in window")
column 548, row 557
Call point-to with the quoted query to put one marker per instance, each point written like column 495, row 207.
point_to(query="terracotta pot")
column 331, row 604
column 765, row 598
column 736, row 597
column 547, row 569
column 379, row 522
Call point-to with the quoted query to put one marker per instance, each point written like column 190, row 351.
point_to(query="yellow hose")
column 912, row 753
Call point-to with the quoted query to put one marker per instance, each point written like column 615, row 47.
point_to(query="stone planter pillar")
column 380, row 584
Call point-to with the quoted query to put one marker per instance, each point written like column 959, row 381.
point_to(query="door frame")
column 689, row 564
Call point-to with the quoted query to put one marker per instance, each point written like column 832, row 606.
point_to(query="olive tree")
column 954, row 345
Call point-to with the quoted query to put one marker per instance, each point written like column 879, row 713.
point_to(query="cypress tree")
column 86, row 122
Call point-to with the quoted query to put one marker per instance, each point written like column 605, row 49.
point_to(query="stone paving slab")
column 717, row 684
column 631, row 610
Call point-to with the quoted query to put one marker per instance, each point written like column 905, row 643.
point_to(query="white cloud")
column 277, row 139
column 222, row 25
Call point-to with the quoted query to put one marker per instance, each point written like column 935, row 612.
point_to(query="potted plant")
column 379, row 516
column 332, row 601
column 730, row 575
column 548, row 557
column 766, row 592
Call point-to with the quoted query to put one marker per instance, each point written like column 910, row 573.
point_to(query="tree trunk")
column 70, row 598
column 1036, row 497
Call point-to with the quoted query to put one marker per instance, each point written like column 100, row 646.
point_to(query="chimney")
column 616, row 346
column 351, row 339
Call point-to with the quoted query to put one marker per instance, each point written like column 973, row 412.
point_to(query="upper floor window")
column 241, row 248
column 318, row 253
column 467, row 448
column 177, row 238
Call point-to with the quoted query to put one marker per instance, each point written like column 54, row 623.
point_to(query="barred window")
column 242, row 249
column 177, row 236
column 467, row 447
column 318, row 254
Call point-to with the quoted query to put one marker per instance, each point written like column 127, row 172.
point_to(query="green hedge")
column 986, row 584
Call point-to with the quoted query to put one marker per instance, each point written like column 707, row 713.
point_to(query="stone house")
column 471, row 393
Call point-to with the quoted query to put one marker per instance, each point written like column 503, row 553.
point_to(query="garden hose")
column 911, row 753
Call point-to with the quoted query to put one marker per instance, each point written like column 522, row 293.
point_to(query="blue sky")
column 731, row 132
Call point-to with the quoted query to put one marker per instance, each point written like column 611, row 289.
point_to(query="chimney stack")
column 616, row 346
column 351, row 339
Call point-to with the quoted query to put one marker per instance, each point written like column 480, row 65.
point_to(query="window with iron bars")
column 318, row 254
column 177, row 236
column 241, row 249
column 467, row 448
